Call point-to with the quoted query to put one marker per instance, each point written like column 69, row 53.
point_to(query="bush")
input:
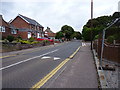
column 19, row 37
column 96, row 37
column 10, row 38
column 28, row 42
column 24, row 42
column 46, row 41
column 35, row 42
column 31, row 39
column 117, row 36
column 110, row 39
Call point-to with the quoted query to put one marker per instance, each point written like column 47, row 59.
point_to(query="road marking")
column 53, row 72
column 48, row 76
column 46, row 57
column 56, row 77
column 26, row 60
column 74, row 53
column 83, row 44
column 56, row 58
column 8, row 56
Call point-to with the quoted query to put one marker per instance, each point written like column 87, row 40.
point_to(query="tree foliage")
column 76, row 35
column 59, row 35
column 68, row 33
column 96, row 25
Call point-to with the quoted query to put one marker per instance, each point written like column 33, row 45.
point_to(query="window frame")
column 13, row 31
column 2, row 29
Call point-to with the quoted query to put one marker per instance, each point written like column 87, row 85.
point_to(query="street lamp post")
column 91, row 22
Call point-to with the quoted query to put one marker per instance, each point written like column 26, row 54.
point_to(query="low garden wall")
column 7, row 46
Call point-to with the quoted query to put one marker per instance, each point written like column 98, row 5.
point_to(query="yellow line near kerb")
column 48, row 76
column 7, row 56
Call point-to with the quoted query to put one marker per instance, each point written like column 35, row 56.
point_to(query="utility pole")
column 91, row 23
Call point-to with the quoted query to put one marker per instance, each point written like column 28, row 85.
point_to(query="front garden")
column 11, row 43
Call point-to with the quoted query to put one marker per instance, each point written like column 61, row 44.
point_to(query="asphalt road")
column 25, row 70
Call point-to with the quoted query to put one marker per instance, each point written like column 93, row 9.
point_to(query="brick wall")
column 6, row 33
column 7, row 29
column 23, row 34
column 20, row 23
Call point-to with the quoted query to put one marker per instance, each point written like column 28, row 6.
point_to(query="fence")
column 110, row 52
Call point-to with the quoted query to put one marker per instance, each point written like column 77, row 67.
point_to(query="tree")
column 67, row 31
column 116, row 15
column 76, row 35
column 97, row 26
column 86, row 33
column 59, row 35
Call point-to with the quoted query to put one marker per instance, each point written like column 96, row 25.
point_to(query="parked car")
column 41, row 39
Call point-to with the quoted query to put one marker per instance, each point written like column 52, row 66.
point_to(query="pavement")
column 80, row 72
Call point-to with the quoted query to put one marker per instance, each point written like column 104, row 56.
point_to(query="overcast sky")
column 56, row 13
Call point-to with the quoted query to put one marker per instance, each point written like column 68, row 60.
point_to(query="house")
column 26, row 27
column 49, row 34
column 6, row 29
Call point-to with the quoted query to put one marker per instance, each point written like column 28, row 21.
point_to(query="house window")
column 38, row 35
column 41, row 29
column 32, row 27
column 13, row 31
column 37, row 27
column 29, row 34
column 2, row 29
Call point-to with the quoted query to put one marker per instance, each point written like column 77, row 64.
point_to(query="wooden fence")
column 110, row 52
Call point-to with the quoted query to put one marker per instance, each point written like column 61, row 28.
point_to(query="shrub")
column 96, row 37
column 35, row 42
column 31, row 39
column 10, row 38
column 24, row 42
column 5, row 40
column 19, row 37
column 46, row 41
column 117, row 36
column 110, row 39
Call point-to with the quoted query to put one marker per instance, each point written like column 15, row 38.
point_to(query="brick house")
column 26, row 27
column 4, row 28
column 49, row 33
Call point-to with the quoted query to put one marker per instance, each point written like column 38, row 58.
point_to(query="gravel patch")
column 112, row 77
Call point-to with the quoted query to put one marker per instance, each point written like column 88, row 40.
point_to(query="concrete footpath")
column 79, row 73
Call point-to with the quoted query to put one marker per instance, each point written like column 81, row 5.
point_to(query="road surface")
column 27, row 69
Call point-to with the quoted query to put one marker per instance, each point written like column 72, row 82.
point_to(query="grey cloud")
column 55, row 13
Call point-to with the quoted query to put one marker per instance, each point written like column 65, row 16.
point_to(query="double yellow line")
column 53, row 72
column 8, row 56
